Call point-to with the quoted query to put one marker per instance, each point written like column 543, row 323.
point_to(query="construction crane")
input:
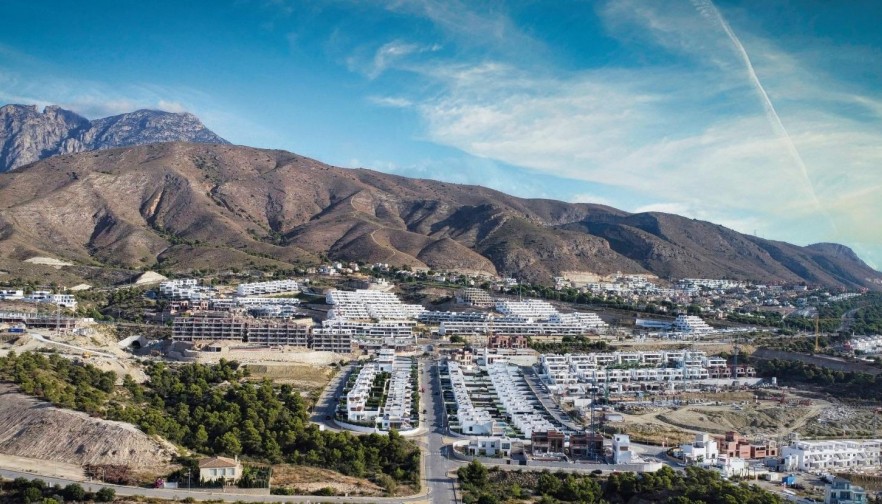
column 876, row 419
column 818, row 331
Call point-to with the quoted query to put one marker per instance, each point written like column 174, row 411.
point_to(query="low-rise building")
column 547, row 442
column 212, row 469
column 835, row 455
column 841, row 491
column 703, row 450
column 490, row 446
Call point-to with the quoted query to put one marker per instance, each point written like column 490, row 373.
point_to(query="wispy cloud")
column 720, row 135
column 391, row 101
column 386, row 55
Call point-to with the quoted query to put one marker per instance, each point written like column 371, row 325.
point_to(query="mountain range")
column 27, row 135
column 185, row 206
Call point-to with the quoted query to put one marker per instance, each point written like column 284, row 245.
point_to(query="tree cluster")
column 213, row 409
column 570, row 344
column 847, row 383
column 694, row 486
column 37, row 491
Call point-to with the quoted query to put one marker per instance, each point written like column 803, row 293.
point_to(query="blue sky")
column 765, row 116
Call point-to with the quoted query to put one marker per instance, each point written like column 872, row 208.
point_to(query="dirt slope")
column 34, row 429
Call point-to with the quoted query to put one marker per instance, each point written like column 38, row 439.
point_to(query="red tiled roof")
column 217, row 462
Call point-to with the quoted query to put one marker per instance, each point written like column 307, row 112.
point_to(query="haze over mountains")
column 182, row 206
column 27, row 135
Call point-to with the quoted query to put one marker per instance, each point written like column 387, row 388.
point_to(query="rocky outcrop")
column 27, row 135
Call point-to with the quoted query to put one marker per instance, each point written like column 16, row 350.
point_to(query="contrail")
column 710, row 11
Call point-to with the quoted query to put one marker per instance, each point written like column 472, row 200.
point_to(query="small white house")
column 220, row 468
column 730, row 467
column 703, row 449
column 490, row 446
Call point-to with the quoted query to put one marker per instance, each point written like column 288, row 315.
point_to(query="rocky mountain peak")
column 26, row 135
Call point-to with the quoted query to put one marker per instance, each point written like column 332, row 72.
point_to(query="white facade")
column 621, row 448
column 272, row 287
column 64, row 300
column 691, row 324
column 703, row 449
column 11, row 294
column 356, row 398
column 184, row 288
column 621, row 371
column 532, row 308
column 490, row 446
column 472, row 419
column 835, row 455
column 367, row 304
column 511, row 390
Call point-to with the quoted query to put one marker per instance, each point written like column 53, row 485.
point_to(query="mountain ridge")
column 28, row 135
column 185, row 206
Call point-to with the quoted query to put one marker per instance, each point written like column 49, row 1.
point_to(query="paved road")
column 438, row 465
column 177, row 494
column 326, row 406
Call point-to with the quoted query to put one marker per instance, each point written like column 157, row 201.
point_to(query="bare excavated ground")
column 34, row 429
column 821, row 418
column 301, row 376
column 310, row 479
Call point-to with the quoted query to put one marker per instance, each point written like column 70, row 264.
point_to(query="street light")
column 188, row 480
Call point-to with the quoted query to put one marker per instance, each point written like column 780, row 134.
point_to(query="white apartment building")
column 835, row 455
column 582, row 319
column 184, row 288
column 64, row 300
column 703, row 449
column 42, row 296
column 570, row 324
column 264, row 301
column 11, row 294
column 532, row 308
column 626, row 371
column 437, row 317
column 691, row 324
column 271, row 287
column 511, row 390
column 367, row 304
column 490, row 446
column 357, row 397
column 473, row 420
column 376, row 335
column 395, row 414
column 866, row 344
column 709, row 283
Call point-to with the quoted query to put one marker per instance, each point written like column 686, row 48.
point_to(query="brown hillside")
column 188, row 206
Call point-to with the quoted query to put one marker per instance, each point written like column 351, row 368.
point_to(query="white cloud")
column 391, row 101
column 695, row 138
column 385, row 56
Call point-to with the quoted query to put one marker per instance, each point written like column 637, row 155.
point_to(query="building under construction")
column 261, row 332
